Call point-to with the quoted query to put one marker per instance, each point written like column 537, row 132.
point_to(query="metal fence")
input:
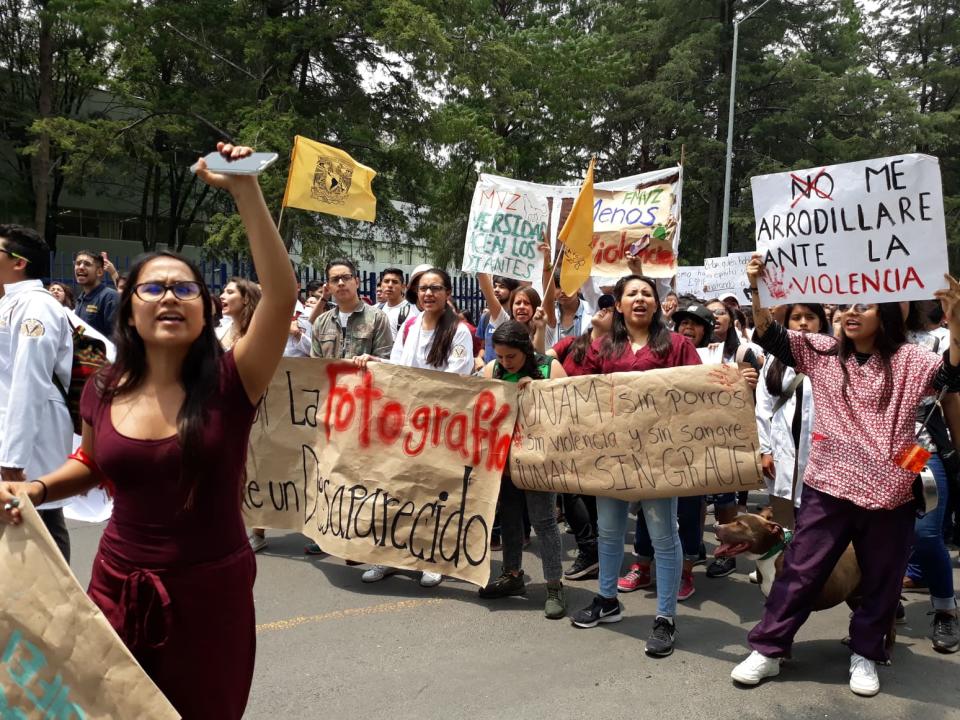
column 466, row 291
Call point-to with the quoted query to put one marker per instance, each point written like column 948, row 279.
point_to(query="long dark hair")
column 775, row 372
column 891, row 335
column 200, row 373
column 616, row 343
column 578, row 348
column 532, row 295
column 732, row 341
column 446, row 327
column 514, row 334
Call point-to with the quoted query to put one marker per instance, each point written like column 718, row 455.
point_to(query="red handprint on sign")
column 773, row 279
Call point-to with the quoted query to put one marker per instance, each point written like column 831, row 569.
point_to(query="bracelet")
column 81, row 457
column 43, row 499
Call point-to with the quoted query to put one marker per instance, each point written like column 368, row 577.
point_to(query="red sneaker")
column 637, row 579
column 686, row 586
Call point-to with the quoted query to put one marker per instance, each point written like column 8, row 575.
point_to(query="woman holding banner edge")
column 168, row 427
column 638, row 341
column 858, row 483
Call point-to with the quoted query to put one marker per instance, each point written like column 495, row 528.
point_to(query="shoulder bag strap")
column 788, row 392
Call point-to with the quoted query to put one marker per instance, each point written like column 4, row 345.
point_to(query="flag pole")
column 280, row 219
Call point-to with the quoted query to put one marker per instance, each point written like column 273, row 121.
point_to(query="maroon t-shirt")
column 150, row 526
column 681, row 352
column 562, row 349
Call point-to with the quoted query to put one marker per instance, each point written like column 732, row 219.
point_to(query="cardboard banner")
column 870, row 231
column 642, row 209
column 390, row 465
column 59, row 657
column 506, row 225
column 690, row 280
column 661, row 433
column 727, row 275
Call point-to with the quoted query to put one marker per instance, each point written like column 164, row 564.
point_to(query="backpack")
column 89, row 355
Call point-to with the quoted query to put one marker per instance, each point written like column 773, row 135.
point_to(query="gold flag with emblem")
column 577, row 238
column 325, row 179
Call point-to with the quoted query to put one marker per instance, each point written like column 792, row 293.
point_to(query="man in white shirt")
column 36, row 342
column 397, row 308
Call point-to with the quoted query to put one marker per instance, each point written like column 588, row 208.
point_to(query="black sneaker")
column 721, row 567
column 504, row 586
column 701, row 556
column 660, row 642
column 901, row 614
column 601, row 610
column 946, row 632
column 586, row 566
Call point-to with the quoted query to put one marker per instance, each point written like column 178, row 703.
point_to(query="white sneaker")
column 376, row 573
column 257, row 542
column 430, row 579
column 755, row 668
column 754, row 578
column 863, row 676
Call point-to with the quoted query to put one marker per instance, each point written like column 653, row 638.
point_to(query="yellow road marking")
column 350, row 612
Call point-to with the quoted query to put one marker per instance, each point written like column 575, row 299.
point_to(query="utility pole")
column 725, row 227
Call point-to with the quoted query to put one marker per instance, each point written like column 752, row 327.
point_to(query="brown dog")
column 755, row 536
column 759, row 538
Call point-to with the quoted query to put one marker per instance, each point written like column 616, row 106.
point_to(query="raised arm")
column 761, row 316
column 950, row 299
column 485, row 280
column 259, row 351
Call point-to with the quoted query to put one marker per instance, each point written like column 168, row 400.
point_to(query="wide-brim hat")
column 414, row 276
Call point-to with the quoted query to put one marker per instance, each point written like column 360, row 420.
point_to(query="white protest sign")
column 870, row 231
column 640, row 209
column 690, row 280
column 505, row 228
column 727, row 275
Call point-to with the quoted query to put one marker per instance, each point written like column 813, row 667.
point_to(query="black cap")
column 696, row 312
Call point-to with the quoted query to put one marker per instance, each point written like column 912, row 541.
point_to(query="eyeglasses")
column 859, row 308
column 719, row 312
column 337, row 279
column 14, row 255
column 155, row 292
column 431, row 288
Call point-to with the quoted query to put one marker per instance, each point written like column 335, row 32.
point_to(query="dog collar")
column 787, row 537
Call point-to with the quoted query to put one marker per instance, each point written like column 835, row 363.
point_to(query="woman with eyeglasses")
column 167, row 426
column 858, row 483
column 435, row 340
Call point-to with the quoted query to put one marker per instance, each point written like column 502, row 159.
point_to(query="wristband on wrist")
column 43, row 498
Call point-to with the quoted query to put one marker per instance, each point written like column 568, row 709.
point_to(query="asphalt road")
column 329, row 646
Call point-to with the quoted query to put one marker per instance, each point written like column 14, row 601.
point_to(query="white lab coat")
column 776, row 435
column 36, row 341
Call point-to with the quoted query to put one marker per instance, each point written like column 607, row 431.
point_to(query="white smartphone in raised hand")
column 253, row 164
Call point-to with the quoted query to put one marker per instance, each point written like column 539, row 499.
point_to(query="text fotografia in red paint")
column 477, row 435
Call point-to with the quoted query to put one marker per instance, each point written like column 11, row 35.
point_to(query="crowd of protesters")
column 167, row 425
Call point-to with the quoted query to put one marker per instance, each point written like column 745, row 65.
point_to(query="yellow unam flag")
column 577, row 239
column 325, row 179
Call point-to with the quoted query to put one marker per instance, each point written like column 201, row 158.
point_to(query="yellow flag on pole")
column 577, row 238
column 325, row 179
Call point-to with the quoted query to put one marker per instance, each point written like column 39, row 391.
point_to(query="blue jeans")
column 930, row 561
column 661, row 517
column 689, row 510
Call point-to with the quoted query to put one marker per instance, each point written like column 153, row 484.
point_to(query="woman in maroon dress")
column 167, row 426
